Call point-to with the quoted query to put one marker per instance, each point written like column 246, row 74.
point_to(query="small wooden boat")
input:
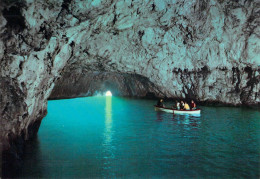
column 175, row 111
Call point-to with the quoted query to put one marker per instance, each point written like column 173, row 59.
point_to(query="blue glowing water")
column 119, row 137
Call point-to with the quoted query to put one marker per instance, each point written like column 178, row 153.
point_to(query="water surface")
column 104, row 137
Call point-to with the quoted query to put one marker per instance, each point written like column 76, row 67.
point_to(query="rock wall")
column 208, row 50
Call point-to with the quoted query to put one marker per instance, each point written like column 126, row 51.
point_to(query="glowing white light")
column 108, row 93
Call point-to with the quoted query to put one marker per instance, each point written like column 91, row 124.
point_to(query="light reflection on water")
column 108, row 121
column 118, row 137
column 108, row 134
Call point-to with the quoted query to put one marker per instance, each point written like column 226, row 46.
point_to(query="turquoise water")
column 104, row 137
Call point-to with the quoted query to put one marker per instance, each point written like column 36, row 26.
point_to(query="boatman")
column 193, row 105
column 160, row 103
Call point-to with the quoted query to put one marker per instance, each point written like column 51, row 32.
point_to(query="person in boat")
column 193, row 105
column 160, row 103
column 182, row 105
column 178, row 106
column 186, row 106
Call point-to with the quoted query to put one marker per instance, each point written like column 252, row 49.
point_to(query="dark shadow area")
column 12, row 157
column 12, row 164
column 14, row 18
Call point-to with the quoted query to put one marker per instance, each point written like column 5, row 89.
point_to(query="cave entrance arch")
column 80, row 84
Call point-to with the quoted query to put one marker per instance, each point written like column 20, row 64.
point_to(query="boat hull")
column 174, row 111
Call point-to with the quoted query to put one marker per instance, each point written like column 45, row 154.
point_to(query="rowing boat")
column 175, row 111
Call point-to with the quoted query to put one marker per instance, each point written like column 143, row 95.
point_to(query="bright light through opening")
column 108, row 93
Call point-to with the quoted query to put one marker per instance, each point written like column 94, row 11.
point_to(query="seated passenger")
column 186, row 106
column 160, row 103
column 182, row 105
column 178, row 107
column 193, row 105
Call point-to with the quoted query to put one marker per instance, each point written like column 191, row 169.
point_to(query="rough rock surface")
column 208, row 50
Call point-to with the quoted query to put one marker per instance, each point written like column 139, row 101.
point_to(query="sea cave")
column 79, row 81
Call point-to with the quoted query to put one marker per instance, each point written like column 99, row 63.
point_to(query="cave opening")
column 83, row 84
column 108, row 93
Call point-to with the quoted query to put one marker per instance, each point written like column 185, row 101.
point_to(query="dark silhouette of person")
column 160, row 103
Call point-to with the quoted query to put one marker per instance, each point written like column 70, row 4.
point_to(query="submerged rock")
column 205, row 50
